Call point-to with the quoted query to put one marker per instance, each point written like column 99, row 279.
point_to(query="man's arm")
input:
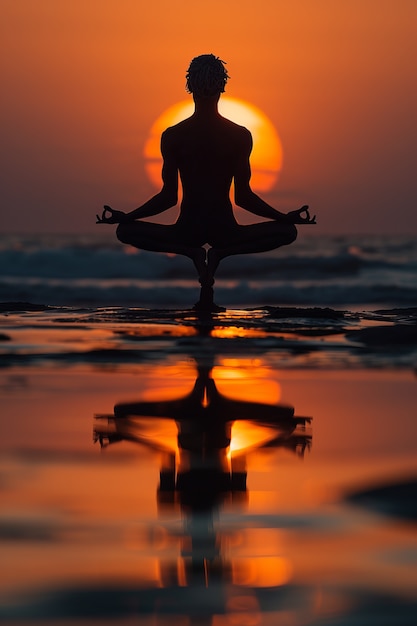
column 162, row 201
column 168, row 196
column 250, row 201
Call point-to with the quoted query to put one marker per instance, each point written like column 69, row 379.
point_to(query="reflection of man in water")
column 209, row 152
column 204, row 418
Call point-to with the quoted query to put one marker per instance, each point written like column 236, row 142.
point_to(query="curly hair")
column 206, row 76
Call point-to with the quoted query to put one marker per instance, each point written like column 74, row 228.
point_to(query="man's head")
column 206, row 76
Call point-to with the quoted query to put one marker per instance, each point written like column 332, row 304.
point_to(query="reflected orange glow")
column 266, row 158
column 247, row 435
column 168, row 382
column 261, row 571
column 242, row 379
column 232, row 332
column 258, row 561
column 162, row 431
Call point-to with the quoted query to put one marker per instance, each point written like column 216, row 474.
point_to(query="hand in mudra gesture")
column 301, row 216
column 114, row 217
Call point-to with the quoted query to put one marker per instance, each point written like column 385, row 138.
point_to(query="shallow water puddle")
column 214, row 493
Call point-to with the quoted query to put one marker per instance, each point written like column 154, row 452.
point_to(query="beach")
column 253, row 466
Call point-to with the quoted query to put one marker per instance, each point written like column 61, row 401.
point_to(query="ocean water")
column 97, row 270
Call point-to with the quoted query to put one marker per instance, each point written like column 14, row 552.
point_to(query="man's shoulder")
column 234, row 133
column 175, row 133
column 234, row 126
column 237, row 132
column 179, row 127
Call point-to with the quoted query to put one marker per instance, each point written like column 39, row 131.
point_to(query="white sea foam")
column 314, row 271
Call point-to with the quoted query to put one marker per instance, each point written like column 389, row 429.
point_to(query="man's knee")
column 122, row 233
column 291, row 233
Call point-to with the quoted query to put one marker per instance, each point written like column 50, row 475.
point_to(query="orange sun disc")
column 266, row 157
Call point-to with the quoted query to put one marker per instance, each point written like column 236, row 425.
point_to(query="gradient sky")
column 83, row 81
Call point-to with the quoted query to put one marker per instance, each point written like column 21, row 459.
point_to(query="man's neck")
column 206, row 106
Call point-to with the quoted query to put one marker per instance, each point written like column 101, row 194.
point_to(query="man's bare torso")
column 207, row 157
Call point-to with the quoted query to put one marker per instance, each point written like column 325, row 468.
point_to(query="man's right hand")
column 115, row 217
column 296, row 217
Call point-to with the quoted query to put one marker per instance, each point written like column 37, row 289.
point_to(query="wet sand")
column 253, row 467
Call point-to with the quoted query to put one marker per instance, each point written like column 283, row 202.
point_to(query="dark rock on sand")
column 396, row 335
column 395, row 499
column 6, row 307
column 315, row 312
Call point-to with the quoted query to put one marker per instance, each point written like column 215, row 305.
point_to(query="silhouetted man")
column 209, row 152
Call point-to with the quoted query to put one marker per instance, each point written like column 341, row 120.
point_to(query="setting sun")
column 266, row 157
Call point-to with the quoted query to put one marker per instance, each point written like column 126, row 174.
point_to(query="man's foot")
column 206, row 302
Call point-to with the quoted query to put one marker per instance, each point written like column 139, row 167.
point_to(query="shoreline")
column 304, row 337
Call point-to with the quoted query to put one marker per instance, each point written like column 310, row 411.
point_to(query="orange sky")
column 82, row 83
